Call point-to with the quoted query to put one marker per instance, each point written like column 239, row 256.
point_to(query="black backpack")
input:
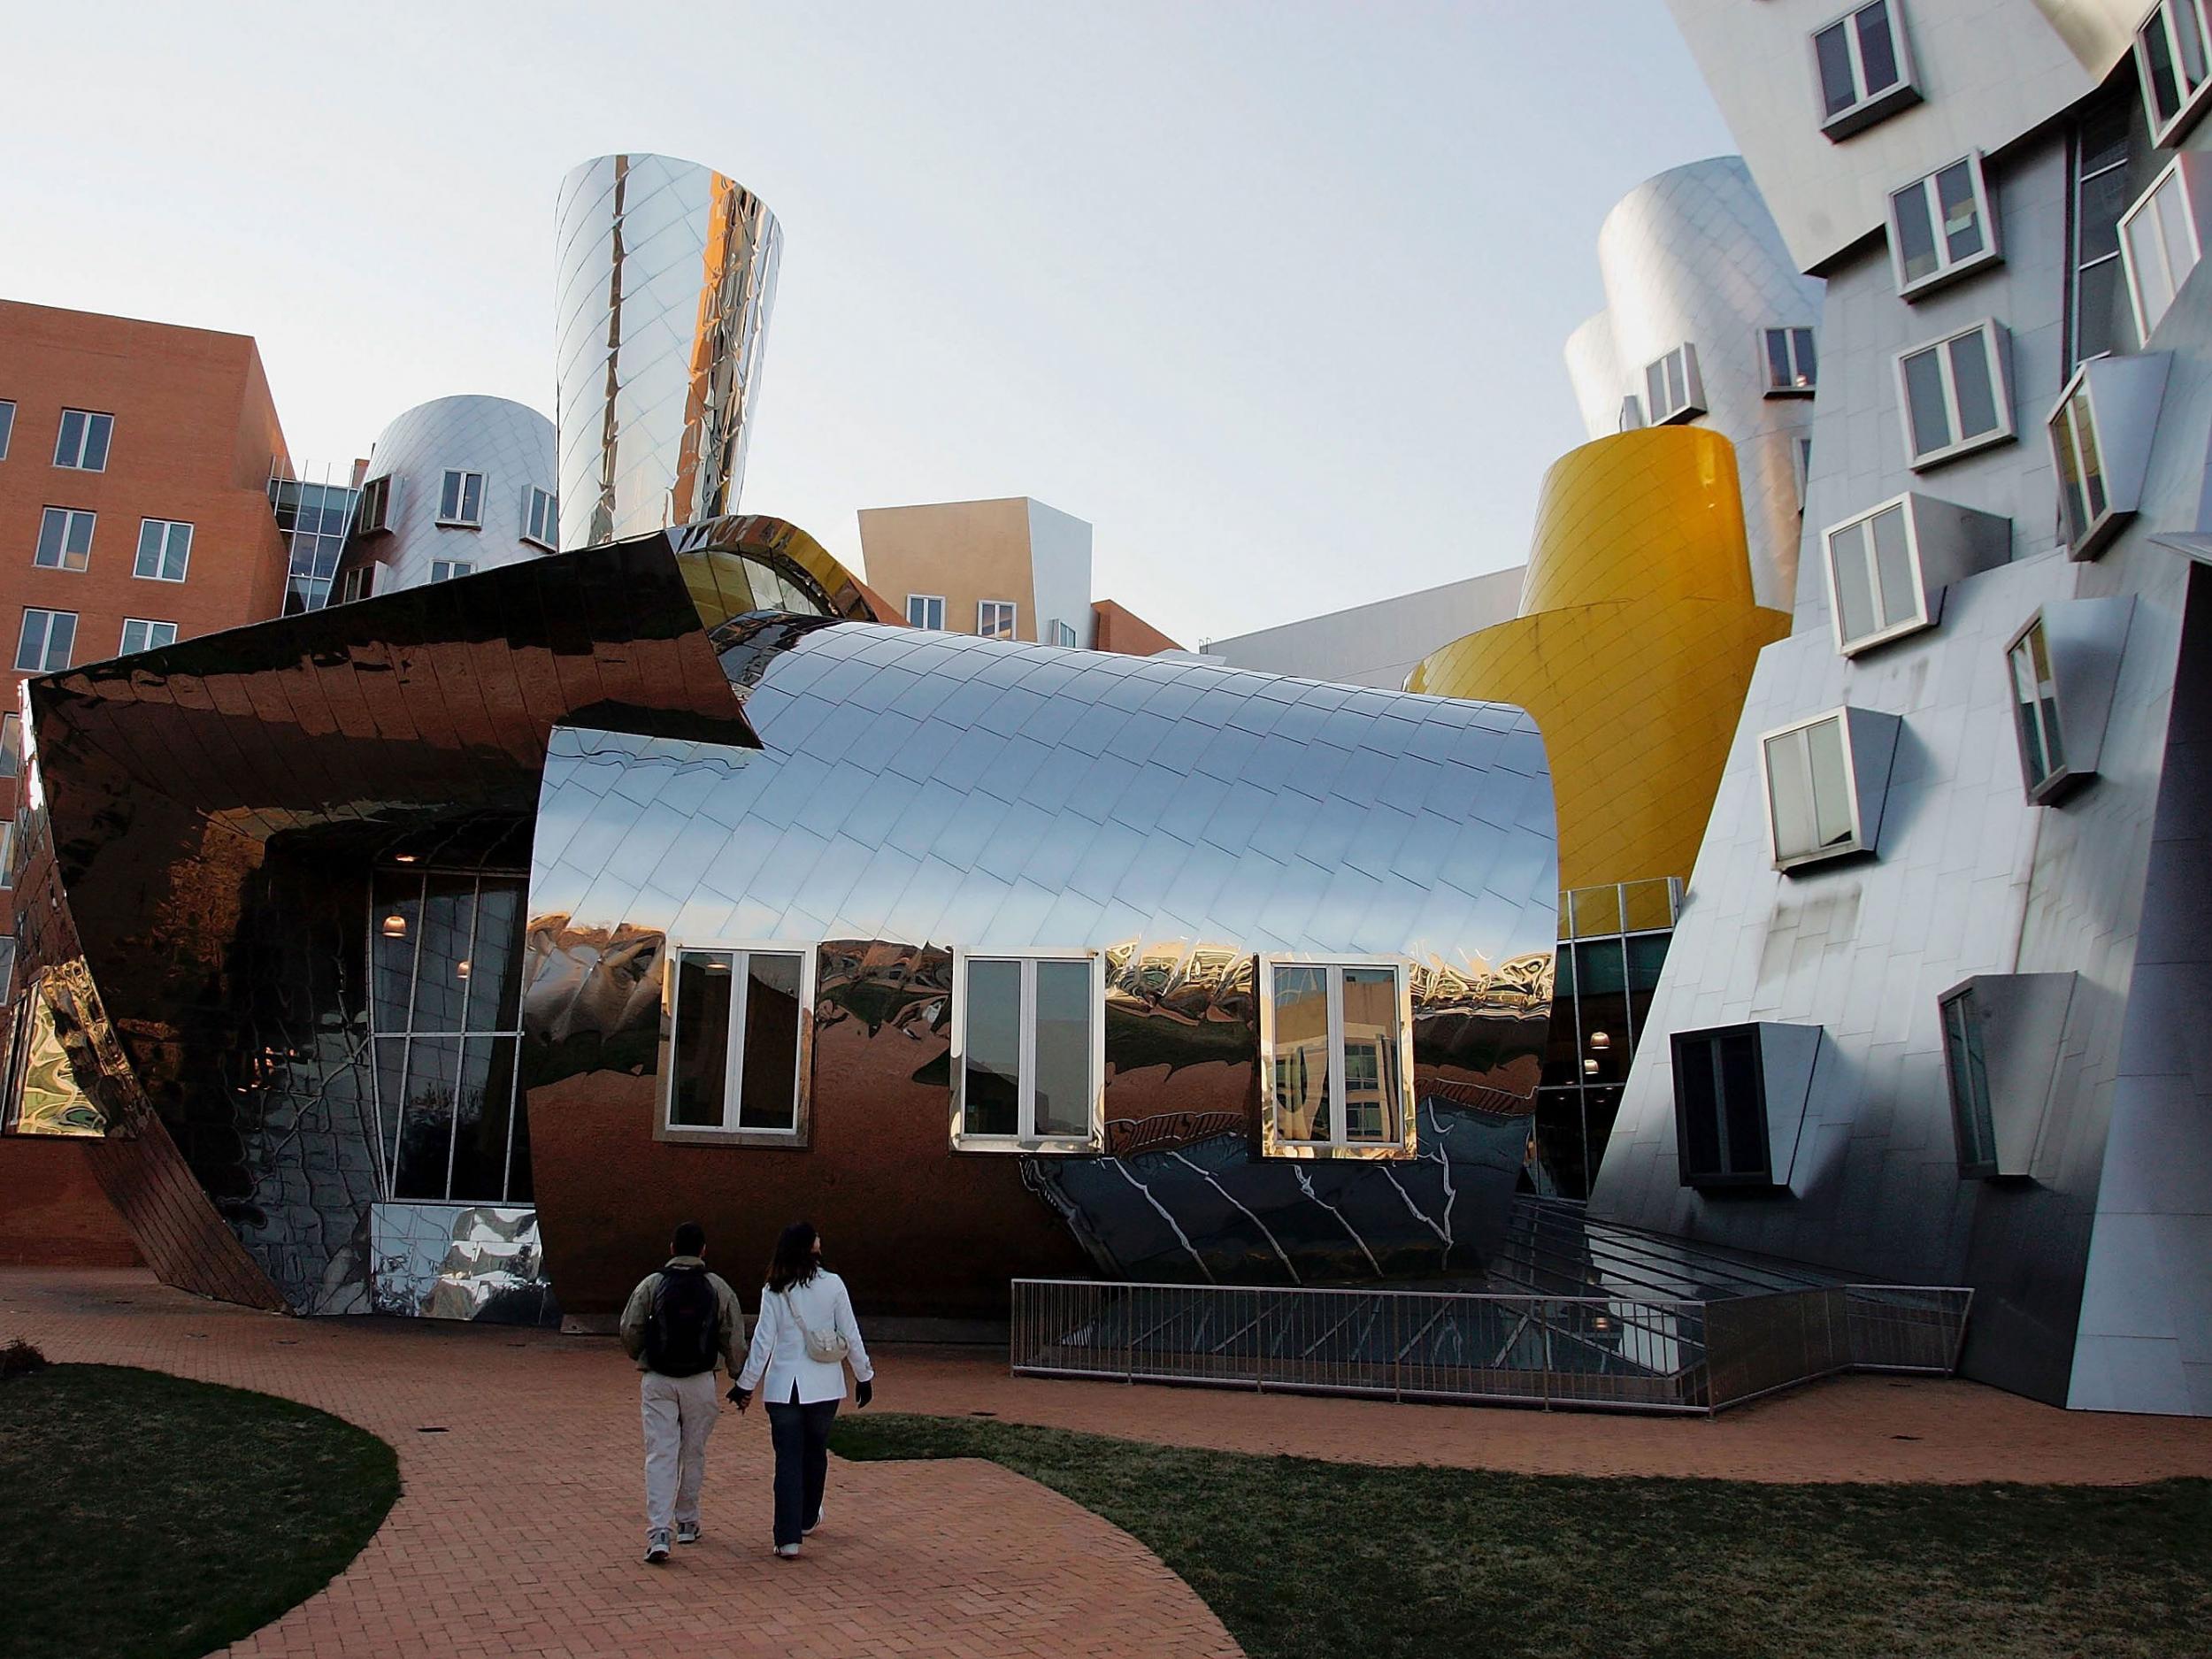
column 682, row 1328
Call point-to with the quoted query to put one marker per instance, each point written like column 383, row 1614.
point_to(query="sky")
column 1272, row 293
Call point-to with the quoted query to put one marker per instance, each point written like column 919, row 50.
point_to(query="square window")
column 376, row 504
column 994, row 619
column 1721, row 1108
column 1336, row 1060
column 1029, row 1053
column 7, row 426
column 2159, row 240
column 1673, row 390
column 164, row 551
column 461, row 500
column 2172, row 66
column 1956, row 395
column 1825, row 779
column 541, row 518
column 139, row 634
column 65, row 539
column 1790, row 367
column 446, row 570
column 738, row 1044
column 1874, row 584
column 82, row 444
column 46, row 641
column 1941, row 228
column 925, row 610
column 1864, row 68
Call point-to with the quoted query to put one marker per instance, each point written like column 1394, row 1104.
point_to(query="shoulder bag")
column 825, row 1348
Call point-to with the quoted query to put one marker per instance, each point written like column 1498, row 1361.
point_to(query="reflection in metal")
column 47, row 1100
column 452, row 1262
column 667, row 272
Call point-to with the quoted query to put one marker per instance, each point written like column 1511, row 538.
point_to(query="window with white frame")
column 925, row 610
column 1029, row 1052
column 1673, row 390
column 2173, row 64
column 738, row 1041
column 2035, row 709
column 2085, row 508
column 10, row 745
column 374, row 512
column 1062, row 635
column 1875, row 588
column 461, row 500
column 46, row 641
column 994, row 619
column 165, row 549
column 1956, row 395
column 141, row 635
column 1966, row 1069
column 355, row 583
column 65, row 539
column 7, row 426
column 1865, row 68
column 1335, row 1059
column 2159, row 243
column 1632, row 413
column 541, row 518
column 82, row 444
column 446, row 570
column 1812, row 803
column 1791, row 368
column 1940, row 227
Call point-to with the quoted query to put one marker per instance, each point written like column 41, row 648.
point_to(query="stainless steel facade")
column 665, row 276
column 506, row 446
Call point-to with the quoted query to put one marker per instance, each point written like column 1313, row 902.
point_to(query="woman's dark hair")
column 793, row 1262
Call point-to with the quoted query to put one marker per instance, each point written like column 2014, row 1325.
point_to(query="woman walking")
column 803, row 1340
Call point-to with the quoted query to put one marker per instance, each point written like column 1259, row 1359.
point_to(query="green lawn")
column 141, row 1514
column 1307, row 1560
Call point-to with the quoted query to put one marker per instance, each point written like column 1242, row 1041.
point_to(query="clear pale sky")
column 1272, row 293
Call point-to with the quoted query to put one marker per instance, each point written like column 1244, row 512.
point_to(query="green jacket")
column 729, row 1329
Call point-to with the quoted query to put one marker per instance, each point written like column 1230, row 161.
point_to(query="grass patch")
column 147, row 1516
column 1309, row 1560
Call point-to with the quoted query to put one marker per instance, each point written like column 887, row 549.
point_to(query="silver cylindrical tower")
column 667, row 271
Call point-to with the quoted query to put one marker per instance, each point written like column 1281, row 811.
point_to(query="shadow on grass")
column 1309, row 1560
column 147, row 1516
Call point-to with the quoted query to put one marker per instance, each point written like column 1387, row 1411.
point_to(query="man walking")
column 678, row 1322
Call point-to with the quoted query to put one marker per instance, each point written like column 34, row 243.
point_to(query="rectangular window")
column 1941, row 227
column 1875, row 587
column 82, row 442
column 7, row 426
column 461, row 500
column 1956, row 394
column 994, row 619
column 139, row 634
column 2035, row 709
column 1720, row 1108
column 541, row 518
column 1966, row 1068
column 1334, row 1055
column 10, row 745
column 1673, row 390
column 737, row 1044
column 2083, row 507
column 2102, row 150
column 1632, row 413
column 446, row 570
column 65, row 539
column 1865, row 68
column 165, row 549
column 2172, row 66
column 376, row 506
column 1802, row 464
column 1812, row 807
column 7, row 854
column 46, row 641
column 1791, row 368
column 355, row 583
column 1064, row 635
column 1029, row 1054
column 2159, row 244
column 925, row 610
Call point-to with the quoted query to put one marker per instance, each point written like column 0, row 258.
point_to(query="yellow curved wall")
column 1633, row 649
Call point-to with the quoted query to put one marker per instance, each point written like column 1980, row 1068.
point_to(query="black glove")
column 740, row 1397
column 863, row 1393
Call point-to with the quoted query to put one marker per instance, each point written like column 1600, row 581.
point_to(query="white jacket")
column 779, row 1350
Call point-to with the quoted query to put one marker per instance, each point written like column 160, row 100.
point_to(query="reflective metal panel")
column 457, row 1262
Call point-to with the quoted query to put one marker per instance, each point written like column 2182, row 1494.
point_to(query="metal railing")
column 1639, row 1354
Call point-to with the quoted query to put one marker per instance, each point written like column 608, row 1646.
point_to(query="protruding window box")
column 2062, row 669
column 2173, row 66
column 2002, row 1037
column 2100, row 444
column 2161, row 238
column 1942, row 227
column 1826, row 779
column 1888, row 567
column 1739, row 1094
column 1862, row 65
column 1674, row 391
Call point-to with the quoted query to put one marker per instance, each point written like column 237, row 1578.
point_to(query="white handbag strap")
column 805, row 1335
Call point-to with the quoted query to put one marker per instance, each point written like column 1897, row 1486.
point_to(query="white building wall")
column 1060, row 572
column 1378, row 645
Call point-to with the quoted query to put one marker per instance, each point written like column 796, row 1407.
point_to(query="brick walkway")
column 519, row 1529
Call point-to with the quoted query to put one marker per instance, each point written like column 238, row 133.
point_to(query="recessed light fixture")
column 396, row 926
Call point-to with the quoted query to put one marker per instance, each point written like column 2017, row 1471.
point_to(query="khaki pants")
column 679, row 1414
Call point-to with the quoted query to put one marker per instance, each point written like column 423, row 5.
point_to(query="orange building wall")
column 1123, row 630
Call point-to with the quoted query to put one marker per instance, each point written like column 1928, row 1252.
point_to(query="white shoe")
column 789, row 1552
column 655, row 1547
column 686, row 1531
column 815, row 1522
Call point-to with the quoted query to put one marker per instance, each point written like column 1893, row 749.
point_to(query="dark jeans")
column 801, row 1435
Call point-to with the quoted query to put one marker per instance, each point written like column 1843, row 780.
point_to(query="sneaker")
column 686, row 1531
column 815, row 1522
column 657, row 1547
column 789, row 1552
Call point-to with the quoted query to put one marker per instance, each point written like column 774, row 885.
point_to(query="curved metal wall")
column 666, row 274
column 509, row 443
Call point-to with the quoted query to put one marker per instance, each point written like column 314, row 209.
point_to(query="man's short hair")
column 691, row 1238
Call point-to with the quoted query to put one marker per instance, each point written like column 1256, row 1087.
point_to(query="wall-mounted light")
column 396, row 926
column 1589, row 1068
column 1600, row 1040
column 461, row 969
column 403, row 858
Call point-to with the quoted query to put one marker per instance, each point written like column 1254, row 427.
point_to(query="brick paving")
column 518, row 1528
